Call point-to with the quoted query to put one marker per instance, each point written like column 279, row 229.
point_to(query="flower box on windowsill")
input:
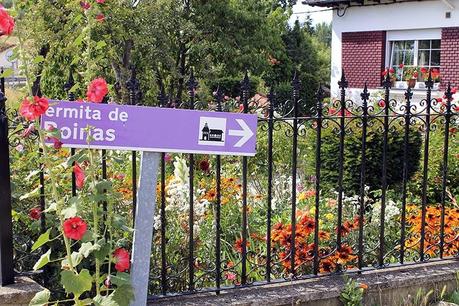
column 419, row 85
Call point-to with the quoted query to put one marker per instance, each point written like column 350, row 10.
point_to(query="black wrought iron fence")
column 346, row 186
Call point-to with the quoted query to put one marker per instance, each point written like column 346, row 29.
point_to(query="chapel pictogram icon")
column 211, row 134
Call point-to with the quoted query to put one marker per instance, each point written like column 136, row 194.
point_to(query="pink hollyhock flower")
column 75, row 228
column 31, row 110
column 97, row 90
column 28, row 131
column 79, row 175
column 122, row 262
column 85, row 5
column 167, row 158
column 100, row 17
column 100, row 1
column 6, row 22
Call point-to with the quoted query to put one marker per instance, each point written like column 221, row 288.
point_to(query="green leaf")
column 43, row 261
column 38, row 59
column 103, row 251
column 87, row 248
column 100, row 44
column 121, row 279
column 76, row 260
column 44, row 238
column 122, row 296
column 6, row 73
column 103, row 186
column 34, row 193
column 69, row 212
column 41, row 298
column 76, row 283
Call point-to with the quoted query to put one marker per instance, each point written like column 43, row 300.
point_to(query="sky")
column 317, row 17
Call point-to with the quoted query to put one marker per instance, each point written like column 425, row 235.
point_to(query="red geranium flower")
column 122, row 262
column 35, row 213
column 392, row 70
column 100, row 17
column 97, row 90
column 79, row 175
column 75, row 228
column 32, row 110
column 401, row 66
column 424, row 70
column 6, row 22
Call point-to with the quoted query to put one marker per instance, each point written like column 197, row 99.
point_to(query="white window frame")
column 403, row 35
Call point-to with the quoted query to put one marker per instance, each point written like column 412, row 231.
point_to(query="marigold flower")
column 75, row 228
column 122, row 262
column 97, row 90
column 79, row 175
column 6, row 22
column 35, row 213
column 31, row 110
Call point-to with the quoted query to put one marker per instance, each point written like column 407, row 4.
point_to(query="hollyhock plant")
column 75, row 228
column 79, row 175
column 31, row 110
column 100, row 17
column 121, row 258
column 97, row 90
column 6, row 22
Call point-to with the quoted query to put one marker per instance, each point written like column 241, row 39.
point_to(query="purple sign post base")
column 151, row 130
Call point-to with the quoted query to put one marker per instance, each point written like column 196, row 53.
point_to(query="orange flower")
column 238, row 245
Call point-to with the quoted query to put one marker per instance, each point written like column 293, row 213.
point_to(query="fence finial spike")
column 365, row 95
column 448, row 93
column 343, row 83
column 429, row 82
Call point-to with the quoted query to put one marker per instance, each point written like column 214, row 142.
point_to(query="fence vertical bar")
column 295, row 98
column 429, row 84
column 387, row 85
column 343, row 84
column 218, row 229
column 406, row 115
column 320, row 94
column 162, row 99
column 365, row 95
column 71, row 97
column 448, row 114
column 272, row 103
column 6, row 225
column 245, row 87
column 133, row 86
column 192, row 85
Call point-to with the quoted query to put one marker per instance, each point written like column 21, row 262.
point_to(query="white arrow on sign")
column 246, row 133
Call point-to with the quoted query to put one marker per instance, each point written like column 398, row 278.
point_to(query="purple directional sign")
column 126, row 127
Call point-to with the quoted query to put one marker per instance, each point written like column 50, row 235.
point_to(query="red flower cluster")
column 75, row 228
column 35, row 213
column 238, row 245
column 97, row 90
column 122, row 262
column 6, row 22
column 31, row 110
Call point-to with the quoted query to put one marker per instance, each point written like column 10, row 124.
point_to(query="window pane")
column 424, row 44
column 424, row 58
column 409, row 58
column 436, row 44
column 409, row 44
column 435, row 60
column 397, row 58
column 398, row 45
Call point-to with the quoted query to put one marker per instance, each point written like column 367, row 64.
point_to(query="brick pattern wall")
column 363, row 57
column 449, row 59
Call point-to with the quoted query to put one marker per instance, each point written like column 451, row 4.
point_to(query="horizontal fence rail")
column 336, row 186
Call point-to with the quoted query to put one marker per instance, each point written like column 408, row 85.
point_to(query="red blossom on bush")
column 100, row 1
column 401, row 66
column 6, row 22
column 381, row 103
column 79, row 175
column 122, row 262
column 97, row 90
column 35, row 213
column 238, row 245
column 31, row 110
column 204, row 165
column 75, row 228
column 100, row 17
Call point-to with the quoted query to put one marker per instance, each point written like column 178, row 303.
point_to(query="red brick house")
column 368, row 36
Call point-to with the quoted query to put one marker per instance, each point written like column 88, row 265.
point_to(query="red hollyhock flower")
column 381, row 103
column 100, row 1
column 6, row 22
column 75, row 228
column 97, row 90
column 35, row 213
column 100, row 17
column 122, row 262
column 32, row 110
column 79, row 175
